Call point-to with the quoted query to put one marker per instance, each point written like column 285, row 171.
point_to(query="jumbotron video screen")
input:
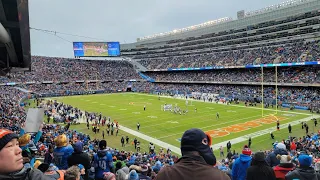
column 96, row 49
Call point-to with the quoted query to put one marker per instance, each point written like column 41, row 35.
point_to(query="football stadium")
column 231, row 98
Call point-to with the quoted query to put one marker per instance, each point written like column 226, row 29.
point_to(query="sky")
column 121, row 20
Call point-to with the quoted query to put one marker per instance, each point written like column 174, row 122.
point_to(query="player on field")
column 144, row 107
column 218, row 116
column 138, row 126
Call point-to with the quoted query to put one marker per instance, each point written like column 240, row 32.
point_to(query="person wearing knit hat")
column 197, row 159
column 280, row 149
column 11, row 166
column 80, row 157
column 284, row 167
column 133, row 175
column 241, row 164
column 122, row 174
column 144, row 172
column 259, row 168
column 304, row 171
column 108, row 176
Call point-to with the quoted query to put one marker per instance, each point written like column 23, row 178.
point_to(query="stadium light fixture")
column 194, row 27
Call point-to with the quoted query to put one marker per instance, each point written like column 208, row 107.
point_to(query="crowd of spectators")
column 299, row 51
column 285, row 75
column 75, row 155
column 65, row 88
column 63, row 69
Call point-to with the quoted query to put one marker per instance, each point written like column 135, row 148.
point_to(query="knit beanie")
column 108, row 175
column 6, row 136
column 246, row 150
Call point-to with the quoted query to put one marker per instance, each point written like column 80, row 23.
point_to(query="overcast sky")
column 121, row 20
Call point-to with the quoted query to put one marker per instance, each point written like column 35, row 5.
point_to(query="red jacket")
column 293, row 146
column 282, row 169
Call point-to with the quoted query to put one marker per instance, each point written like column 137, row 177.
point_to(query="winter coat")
column 240, row 166
column 255, row 173
column 272, row 157
column 190, row 168
column 282, row 170
column 25, row 174
column 303, row 174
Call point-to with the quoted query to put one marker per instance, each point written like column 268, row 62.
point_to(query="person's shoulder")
column 36, row 174
column 218, row 174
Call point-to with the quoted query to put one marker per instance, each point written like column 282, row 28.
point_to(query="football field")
column 235, row 122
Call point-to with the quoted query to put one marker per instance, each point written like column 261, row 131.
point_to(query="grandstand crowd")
column 296, row 51
column 284, row 75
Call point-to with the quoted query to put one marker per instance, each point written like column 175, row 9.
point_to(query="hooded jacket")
column 25, row 174
column 282, row 170
column 102, row 163
column 272, row 157
column 303, row 174
column 240, row 166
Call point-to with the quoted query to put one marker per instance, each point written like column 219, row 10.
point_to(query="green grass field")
column 234, row 121
column 92, row 52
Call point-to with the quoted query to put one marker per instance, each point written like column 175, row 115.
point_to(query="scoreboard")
column 96, row 49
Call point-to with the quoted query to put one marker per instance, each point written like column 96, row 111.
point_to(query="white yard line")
column 153, row 140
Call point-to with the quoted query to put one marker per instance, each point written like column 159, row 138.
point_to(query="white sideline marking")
column 153, row 140
column 122, row 109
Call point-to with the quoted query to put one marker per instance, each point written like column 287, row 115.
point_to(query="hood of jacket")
column 245, row 158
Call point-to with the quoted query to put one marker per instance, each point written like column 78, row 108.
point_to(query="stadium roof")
column 14, row 35
column 282, row 5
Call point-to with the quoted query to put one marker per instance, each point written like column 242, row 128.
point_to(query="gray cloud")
column 121, row 20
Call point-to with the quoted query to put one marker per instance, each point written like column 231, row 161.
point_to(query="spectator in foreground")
column 240, row 166
column 102, row 161
column 11, row 166
column 197, row 160
column 73, row 173
column 284, row 167
column 259, row 168
column 79, row 157
column 304, row 171
column 280, row 149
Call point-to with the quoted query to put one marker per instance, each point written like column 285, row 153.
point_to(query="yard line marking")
column 204, row 127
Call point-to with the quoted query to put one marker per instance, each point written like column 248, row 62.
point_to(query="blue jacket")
column 61, row 155
column 240, row 166
column 272, row 157
column 103, row 163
